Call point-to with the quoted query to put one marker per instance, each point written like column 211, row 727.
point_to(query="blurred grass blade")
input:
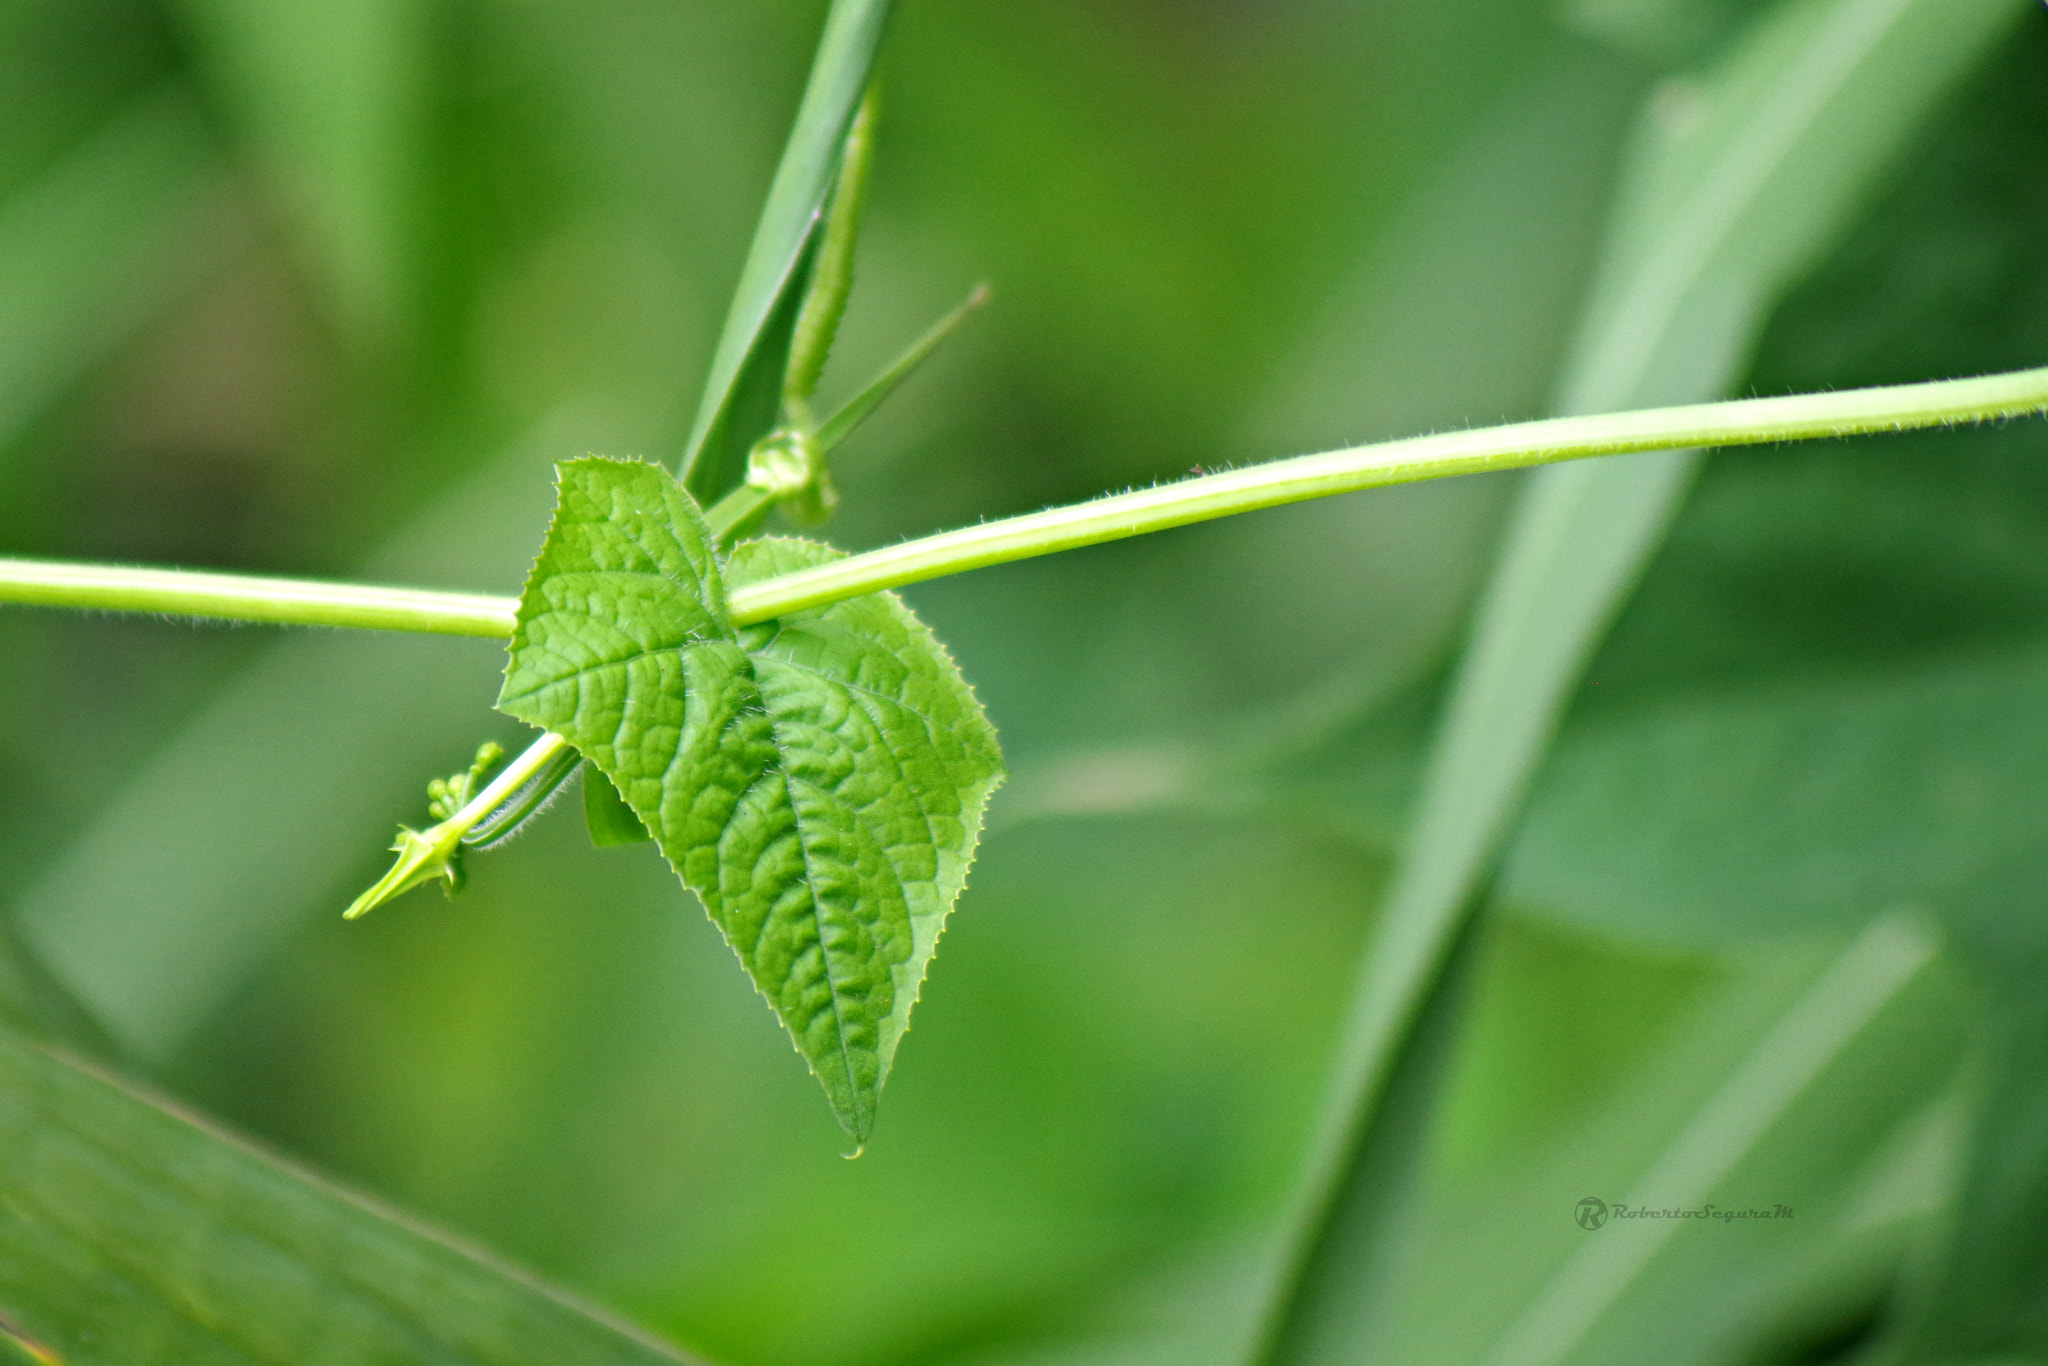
column 1794, row 126
column 1740, row 178
column 744, row 390
column 1867, row 977
column 99, row 242
column 843, row 423
column 1981, row 1298
column 1345, row 1289
column 130, row 1233
column 754, row 404
column 34, row 1004
column 334, row 98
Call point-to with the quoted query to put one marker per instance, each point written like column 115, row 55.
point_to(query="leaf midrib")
column 864, row 1110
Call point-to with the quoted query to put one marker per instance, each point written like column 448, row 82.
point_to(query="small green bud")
column 784, row 463
column 446, row 796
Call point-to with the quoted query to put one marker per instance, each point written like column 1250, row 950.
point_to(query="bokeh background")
column 323, row 289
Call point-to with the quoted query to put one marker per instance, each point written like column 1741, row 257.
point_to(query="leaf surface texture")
column 818, row 780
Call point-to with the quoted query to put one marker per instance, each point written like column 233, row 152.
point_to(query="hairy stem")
column 1516, row 446
column 516, row 774
column 237, row 597
column 1741, row 422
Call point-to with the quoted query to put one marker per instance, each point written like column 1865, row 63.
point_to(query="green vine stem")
column 238, row 597
column 424, row 855
column 1516, row 446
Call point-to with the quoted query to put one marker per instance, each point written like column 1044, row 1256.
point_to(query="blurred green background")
column 324, row 289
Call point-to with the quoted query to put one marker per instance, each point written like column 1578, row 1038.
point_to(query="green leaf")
column 1790, row 809
column 744, row 390
column 36, row 1004
column 818, row 779
column 1740, row 178
column 1982, row 1297
column 131, row 1234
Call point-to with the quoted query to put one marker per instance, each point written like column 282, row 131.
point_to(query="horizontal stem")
column 239, row 597
column 1737, row 423
column 1740, row 422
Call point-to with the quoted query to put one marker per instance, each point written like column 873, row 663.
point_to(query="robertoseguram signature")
column 1592, row 1213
